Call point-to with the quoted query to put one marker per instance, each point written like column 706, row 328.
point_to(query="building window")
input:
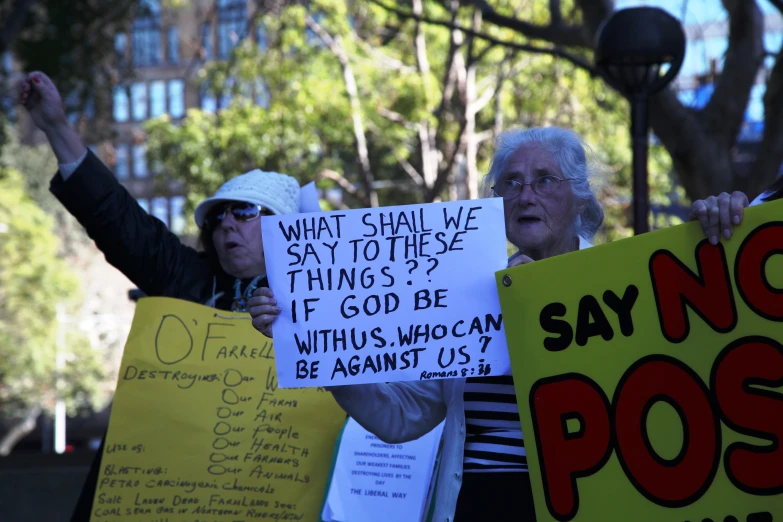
column 261, row 95
column 139, row 161
column 176, row 98
column 160, row 209
column 120, row 102
column 145, row 29
column 261, row 39
column 226, row 94
column 157, row 99
column 232, row 20
column 177, row 217
column 208, row 100
column 8, row 62
column 121, row 49
column 172, row 45
column 139, row 101
column 121, row 168
column 206, row 41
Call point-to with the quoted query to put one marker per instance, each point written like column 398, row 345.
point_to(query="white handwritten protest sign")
column 390, row 294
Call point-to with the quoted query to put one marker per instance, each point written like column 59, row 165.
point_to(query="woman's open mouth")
column 525, row 220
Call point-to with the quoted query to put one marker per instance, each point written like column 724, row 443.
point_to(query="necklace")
column 240, row 301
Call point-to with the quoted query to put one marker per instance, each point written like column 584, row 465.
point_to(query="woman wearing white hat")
column 232, row 264
column 225, row 275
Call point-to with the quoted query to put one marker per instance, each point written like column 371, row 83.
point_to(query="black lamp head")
column 639, row 50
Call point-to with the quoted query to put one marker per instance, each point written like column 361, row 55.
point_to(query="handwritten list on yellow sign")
column 200, row 432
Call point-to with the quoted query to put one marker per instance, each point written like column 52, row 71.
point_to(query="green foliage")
column 73, row 43
column 39, row 165
column 34, row 282
column 304, row 125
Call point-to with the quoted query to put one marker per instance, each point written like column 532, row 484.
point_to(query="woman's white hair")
column 571, row 153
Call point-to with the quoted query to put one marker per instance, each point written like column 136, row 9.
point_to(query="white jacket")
column 403, row 411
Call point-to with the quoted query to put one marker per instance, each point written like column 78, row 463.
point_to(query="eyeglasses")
column 545, row 185
column 241, row 210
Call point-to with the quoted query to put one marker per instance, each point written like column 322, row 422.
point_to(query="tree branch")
column 19, row 431
column 344, row 184
column 443, row 174
column 681, row 133
column 421, row 48
column 336, row 203
column 414, row 174
column 484, row 99
column 449, row 72
column 335, row 45
column 778, row 4
column 724, row 113
column 382, row 59
column 553, row 51
column 556, row 32
column 484, row 135
column 770, row 153
column 555, row 14
column 594, row 12
column 395, row 117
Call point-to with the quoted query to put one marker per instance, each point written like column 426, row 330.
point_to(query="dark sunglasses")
column 241, row 210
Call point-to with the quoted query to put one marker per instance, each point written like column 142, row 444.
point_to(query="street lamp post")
column 639, row 50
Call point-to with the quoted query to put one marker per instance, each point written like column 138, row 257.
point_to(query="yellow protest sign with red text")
column 649, row 375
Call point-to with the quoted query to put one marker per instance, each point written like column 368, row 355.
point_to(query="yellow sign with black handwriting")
column 199, row 430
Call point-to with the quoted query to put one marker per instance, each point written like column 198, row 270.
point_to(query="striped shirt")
column 493, row 442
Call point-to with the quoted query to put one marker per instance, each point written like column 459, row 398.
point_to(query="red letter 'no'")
column 708, row 293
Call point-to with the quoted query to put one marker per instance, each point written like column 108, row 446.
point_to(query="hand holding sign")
column 719, row 214
column 350, row 282
column 264, row 310
column 652, row 391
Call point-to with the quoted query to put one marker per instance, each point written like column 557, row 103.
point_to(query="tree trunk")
column 702, row 143
column 363, row 159
column 19, row 431
column 701, row 162
column 469, row 135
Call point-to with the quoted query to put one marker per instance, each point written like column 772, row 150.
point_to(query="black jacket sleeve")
column 137, row 244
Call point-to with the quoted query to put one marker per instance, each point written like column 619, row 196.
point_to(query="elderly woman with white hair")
column 543, row 177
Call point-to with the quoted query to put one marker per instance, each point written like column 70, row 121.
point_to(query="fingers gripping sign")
column 519, row 259
column 719, row 214
column 264, row 310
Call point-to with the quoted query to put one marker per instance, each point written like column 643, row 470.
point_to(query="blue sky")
column 701, row 14
column 696, row 11
column 699, row 52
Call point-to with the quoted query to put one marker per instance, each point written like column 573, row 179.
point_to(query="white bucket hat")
column 277, row 192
